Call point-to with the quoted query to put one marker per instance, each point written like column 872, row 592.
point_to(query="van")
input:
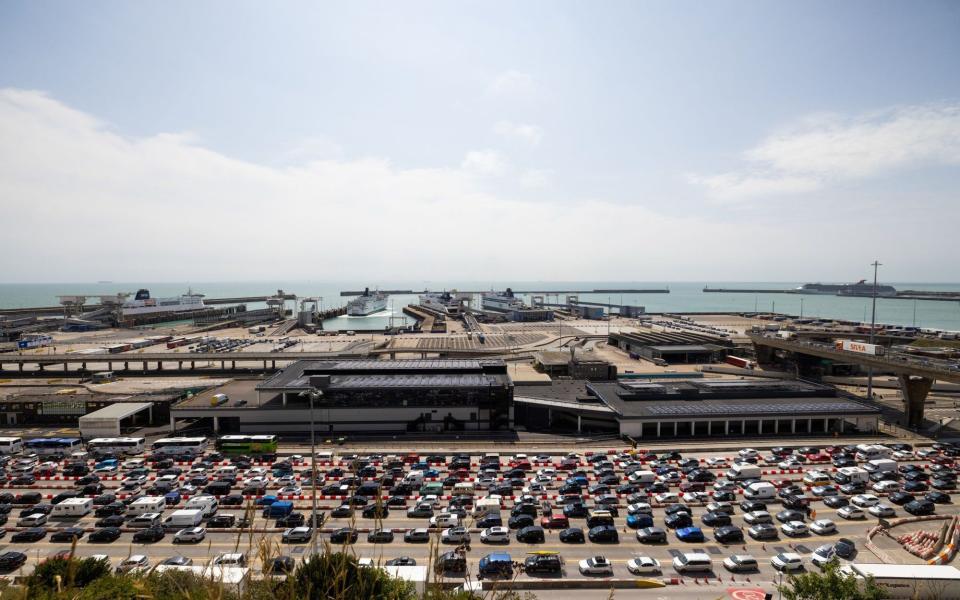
column 452, row 562
column 744, row 471
column 866, row 452
column 496, row 564
column 185, row 518
column 486, row 505
column 147, row 504
column 324, row 456
column 145, row 521
column 642, row 477
column 73, row 507
column 208, row 504
column 32, row 520
column 466, row 488
column 816, row 478
column 846, row 475
column 881, row 465
column 219, row 399
column 692, row 562
column 278, row 509
column 761, row 490
column 414, row 478
column 434, row 488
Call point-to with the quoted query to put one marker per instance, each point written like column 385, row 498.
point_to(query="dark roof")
column 355, row 374
column 681, row 348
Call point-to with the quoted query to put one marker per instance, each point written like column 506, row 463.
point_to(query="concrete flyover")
column 916, row 374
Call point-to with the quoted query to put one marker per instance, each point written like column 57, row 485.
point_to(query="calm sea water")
column 683, row 297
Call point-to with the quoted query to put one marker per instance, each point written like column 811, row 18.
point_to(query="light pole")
column 801, row 307
column 873, row 326
column 313, row 394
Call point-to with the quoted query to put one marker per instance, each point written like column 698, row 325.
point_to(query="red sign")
column 747, row 593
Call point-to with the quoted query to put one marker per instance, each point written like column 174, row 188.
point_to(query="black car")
column 572, row 535
column 785, row 516
column 520, row 521
column 919, row 508
column 342, row 511
column 549, row 564
column 603, row 534
column 29, row 498
column 531, row 535
column 34, row 534
column 221, row 521
column 678, row 520
column 294, row 519
column 65, row 496
column 114, row 508
column 380, row 536
column 345, row 535
column 752, row 506
column 67, row 535
column 901, row 498
column 943, row 484
column 728, row 534
column 45, row 509
column 376, row 511
column 652, row 535
column 938, row 497
column 915, row 486
column 576, row 511
column 149, row 535
column 396, row 501
column 231, row 500
column 836, row 501
column 111, row 521
column 23, row 480
column 12, row 560
column 715, row 519
column 86, row 480
column 677, row 508
column 845, row 548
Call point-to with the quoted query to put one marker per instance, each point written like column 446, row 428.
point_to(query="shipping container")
column 860, row 347
column 737, row 361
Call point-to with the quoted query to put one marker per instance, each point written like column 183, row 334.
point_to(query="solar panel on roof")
column 774, row 408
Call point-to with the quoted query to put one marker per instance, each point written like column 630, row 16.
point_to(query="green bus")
column 251, row 445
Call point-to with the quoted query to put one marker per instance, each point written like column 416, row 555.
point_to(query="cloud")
column 513, row 85
column 483, row 162
column 535, row 178
column 530, row 134
column 825, row 149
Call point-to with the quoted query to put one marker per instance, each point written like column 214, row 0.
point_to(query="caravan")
column 73, row 508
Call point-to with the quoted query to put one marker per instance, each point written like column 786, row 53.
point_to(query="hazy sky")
column 479, row 140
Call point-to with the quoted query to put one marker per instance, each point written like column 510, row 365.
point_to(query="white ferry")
column 443, row 302
column 143, row 304
column 367, row 303
column 501, row 301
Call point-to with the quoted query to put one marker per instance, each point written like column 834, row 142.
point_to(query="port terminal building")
column 672, row 347
column 364, row 396
column 701, row 408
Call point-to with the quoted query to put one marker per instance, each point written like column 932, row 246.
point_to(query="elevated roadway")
column 916, row 374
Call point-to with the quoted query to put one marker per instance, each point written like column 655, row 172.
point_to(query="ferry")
column 367, row 304
column 860, row 288
column 143, row 304
column 501, row 301
column 443, row 302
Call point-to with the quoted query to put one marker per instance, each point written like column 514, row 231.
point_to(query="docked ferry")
column 367, row 303
column 860, row 288
column 501, row 301
column 143, row 304
column 443, row 302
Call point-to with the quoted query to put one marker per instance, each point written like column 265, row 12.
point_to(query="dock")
column 747, row 291
column 601, row 291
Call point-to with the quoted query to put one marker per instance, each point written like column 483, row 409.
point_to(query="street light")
column 873, row 326
column 313, row 394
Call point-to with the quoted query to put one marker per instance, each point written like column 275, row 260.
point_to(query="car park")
column 595, row 565
column 851, row 512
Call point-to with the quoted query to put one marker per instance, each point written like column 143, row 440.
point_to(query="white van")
column 816, row 478
column 851, row 475
column 208, row 504
column 145, row 521
column 226, row 471
column 414, row 478
column 490, row 504
column 692, row 562
column 642, row 477
column 464, row 488
column 324, row 456
column 73, row 507
column 872, row 452
column 184, row 518
column 761, row 490
column 882, row 465
column 744, row 471
column 147, row 504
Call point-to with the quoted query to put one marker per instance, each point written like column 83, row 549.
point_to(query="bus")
column 116, row 445
column 247, row 444
column 185, row 445
column 53, row 446
column 10, row 445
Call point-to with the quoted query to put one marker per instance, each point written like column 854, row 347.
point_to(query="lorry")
column 908, row 581
column 761, row 490
column 860, row 347
column 738, row 361
column 744, row 471
column 881, row 465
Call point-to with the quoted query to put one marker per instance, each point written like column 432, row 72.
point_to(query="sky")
column 387, row 141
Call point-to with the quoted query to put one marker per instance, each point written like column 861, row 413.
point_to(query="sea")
column 682, row 297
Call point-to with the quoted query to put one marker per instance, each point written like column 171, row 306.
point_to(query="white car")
column 670, row 477
column 134, row 463
column 901, row 455
column 639, row 508
column 882, row 511
column 135, row 481
column 548, row 471
column 285, row 480
column 886, row 486
column 790, row 463
column 717, row 462
column 757, row 516
column 748, row 453
column 534, row 488
column 695, row 497
column 290, row 490
column 666, row 498
column 596, row 565
column 823, row 527
column 643, row 565
column 455, row 535
column 851, row 512
column 794, row 528
column 822, row 555
column 495, row 535
column 926, row 452
column 864, row 500
column 170, row 479
column 191, row 535
column 787, row 561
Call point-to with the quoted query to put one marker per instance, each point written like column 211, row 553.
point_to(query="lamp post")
column 873, row 326
column 313, row 394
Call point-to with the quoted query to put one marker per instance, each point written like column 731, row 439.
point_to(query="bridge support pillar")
column 233, row 364
column 159, row 365
column 66, row 366
column 126, row 366
column 82, row 366
column 21, row 367
column 273, row 364
column 109, row 366
column 579, row 429
column 193, row 365
column 41, row 367
column 764, row 354
column 144, row 366
column 179, row 365
column 914, row 390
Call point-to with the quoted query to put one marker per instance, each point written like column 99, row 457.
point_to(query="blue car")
column 266, row 500
column 431, row 473
column 172, row 498
column 690, row 534
column 639, row 521
column 580, row 480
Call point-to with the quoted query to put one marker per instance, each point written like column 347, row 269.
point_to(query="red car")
column 555, row 522
column 942, row 460
column 819, row 457
column 521, row 464
column 411, row 458
column 569, row 464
